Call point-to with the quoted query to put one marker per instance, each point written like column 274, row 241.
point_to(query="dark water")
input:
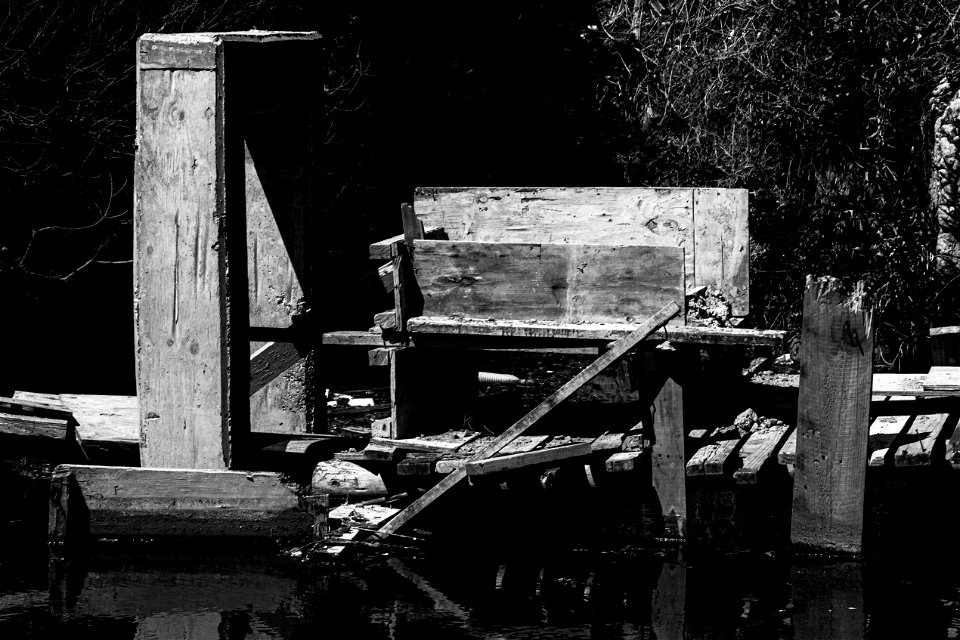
column 472, row 592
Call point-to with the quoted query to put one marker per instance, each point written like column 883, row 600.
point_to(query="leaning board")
column 710, row 224
column 559, row 282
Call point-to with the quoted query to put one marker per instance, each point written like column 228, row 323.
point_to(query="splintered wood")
column 833, row 417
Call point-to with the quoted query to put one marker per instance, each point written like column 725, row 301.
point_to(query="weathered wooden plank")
column 198, row 51
column 833, row 417
column 724, row 458
column 926, row 430
column 616, row 351
column 425, row 444
column 722, row 253
column 527, row 459
column 884, row 431
column 667, row 428
column 757, row 452
column 132, row 501
column 788, row 452
column 269, row 361
column 605, row 215
column 694, row 466
column 499, row 329
column 353, row 339
column 33, row 426
column 389, row 248
column 623, row 461
column 181, row 333
column 607, row 442
column 522, row 444
column 100, row 418
column 560, row 282
column 943, row 379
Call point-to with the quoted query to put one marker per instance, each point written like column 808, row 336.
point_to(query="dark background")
column 822, row 111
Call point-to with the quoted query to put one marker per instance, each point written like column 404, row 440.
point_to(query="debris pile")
column 708, row 308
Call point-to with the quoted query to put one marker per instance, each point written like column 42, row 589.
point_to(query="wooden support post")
column 68, row 525
column 665, row 428
column 220, row 235
column 833, row 417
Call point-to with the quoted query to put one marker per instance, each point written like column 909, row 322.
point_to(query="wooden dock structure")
column 649, row 286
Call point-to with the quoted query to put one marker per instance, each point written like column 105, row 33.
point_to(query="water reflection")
column 474, row 594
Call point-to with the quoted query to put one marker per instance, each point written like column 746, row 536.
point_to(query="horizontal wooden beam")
column 460, row 328
column 527, row 459
column 133, row 501
column 387, row 249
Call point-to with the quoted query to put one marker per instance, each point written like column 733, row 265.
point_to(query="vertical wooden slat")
column 833, row 417
column 722, row 244
column 179, row 253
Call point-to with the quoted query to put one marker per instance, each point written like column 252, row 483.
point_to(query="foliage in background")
column 819, row 107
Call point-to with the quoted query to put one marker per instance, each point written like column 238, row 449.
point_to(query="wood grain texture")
column 130, row 501
column 722, row 239
column 694, row 466
column 623, row 461
column 832, row 417
column 757, row 451
column 100, row 418
column 605, row 215
column 271, row 124
column 561, row 282
column 453, row 329
column 724, row 459
column 927, row 445
column 178, row 267
column 667, row 427
column 616, row 351
column 527, row 458
column 270, row 361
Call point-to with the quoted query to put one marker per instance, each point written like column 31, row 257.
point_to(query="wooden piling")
column 833, row 417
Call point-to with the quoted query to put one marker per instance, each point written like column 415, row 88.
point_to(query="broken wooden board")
column 526, row 459
column 623, row 461
column 757, row 451
column 389, row 249
column 616, row 351
column 928, row 443
column 788, row 452
column 131, row 501
column 462, row 330
column 724, row 459
column 695, row 465
column 556, row 282
column 26, row 418
column 884, row 431
column 523, row 444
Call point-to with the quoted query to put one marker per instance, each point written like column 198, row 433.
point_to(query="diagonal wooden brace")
column 616, row 351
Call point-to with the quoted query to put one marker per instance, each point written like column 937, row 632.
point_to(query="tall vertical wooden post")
column 836, row 378
column 222, row 201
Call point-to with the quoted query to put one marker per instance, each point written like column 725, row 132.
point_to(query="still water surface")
column 474, row 593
